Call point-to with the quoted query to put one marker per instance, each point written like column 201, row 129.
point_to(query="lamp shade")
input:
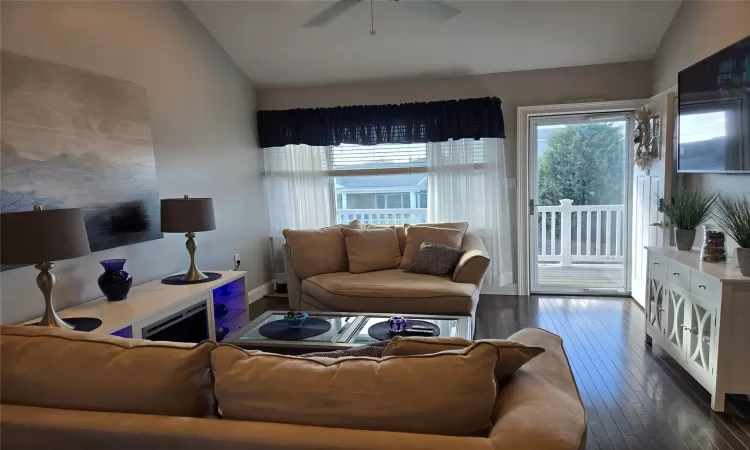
column 32, row 237
column 185, row 215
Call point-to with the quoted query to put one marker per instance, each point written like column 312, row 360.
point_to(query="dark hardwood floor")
column 636, row 396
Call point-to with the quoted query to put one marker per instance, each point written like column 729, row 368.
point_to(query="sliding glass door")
column 579, row 190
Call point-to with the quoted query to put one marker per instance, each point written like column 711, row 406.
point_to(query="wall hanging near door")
column 646, row 138
column 76, row 139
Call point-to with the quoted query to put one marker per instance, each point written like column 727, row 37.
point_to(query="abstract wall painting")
column 75, row 139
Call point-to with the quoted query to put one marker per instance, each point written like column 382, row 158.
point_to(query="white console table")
column 700, row 314
column 153, row 301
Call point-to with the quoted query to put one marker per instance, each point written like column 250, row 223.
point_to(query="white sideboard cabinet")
column 700, row 314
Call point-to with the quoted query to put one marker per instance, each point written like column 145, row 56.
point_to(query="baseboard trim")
column 259, row 292
column 509, row 289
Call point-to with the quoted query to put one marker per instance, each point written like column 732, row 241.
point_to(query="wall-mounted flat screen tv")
column 714, row 108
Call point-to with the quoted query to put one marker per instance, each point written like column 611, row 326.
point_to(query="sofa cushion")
column 370, row 250
column 450, row 393
column 319, row 251
column 389, row 291
column 401, row 229
column 460, row 226
column 66, row 369
column 400, row 232
column 513, row 355
column 415, row 236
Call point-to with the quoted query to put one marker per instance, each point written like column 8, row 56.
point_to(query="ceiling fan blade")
column 433, row 9
column 330, row 13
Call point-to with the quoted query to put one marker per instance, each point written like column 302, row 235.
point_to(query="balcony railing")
column 569, row 233
column 382, row 216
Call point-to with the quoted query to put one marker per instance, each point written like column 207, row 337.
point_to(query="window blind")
column 381, row 159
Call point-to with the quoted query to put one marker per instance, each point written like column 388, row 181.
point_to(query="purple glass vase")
column 115, row 282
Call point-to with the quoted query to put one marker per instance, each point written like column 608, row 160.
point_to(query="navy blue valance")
column 383, row 124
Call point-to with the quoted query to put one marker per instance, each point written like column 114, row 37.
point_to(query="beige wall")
column 536, row 87
column 201, row 111
column 698, row 30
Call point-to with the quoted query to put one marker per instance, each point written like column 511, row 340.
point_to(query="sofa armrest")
column 293, row 281
column 473, row 264
column 540, row 407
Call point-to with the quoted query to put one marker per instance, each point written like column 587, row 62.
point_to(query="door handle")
column 658, row 224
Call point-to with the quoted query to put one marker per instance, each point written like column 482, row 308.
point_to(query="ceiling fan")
column 435, row 10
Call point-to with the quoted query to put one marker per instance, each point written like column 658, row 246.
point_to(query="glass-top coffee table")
column 347, row 330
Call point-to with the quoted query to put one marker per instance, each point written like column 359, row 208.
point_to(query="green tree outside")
column 585, row 164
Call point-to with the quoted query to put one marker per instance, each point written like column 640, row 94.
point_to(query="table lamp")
column 40, row 237
column 188, row 215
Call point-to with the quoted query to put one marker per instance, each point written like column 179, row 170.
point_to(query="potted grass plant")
column 687, row 210
column 733, row 215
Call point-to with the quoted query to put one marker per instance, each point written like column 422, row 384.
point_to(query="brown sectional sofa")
column 536, row 408
column 382, row 291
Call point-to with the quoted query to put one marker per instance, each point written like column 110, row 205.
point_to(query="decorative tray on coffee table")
column 346, row 330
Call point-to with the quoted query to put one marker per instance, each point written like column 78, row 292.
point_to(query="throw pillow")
column 450, row 393
column 513, row 355
column 65, row 369
column 371, row 250
column 400, row 232
column 315, row 252
column 416, row 235
column 460, row 226
column 434, row 259
column 373, row 351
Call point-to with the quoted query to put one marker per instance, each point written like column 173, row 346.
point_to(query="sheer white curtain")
column 298, row 188
column 467, row 183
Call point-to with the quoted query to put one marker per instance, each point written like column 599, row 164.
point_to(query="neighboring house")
column 382, row 199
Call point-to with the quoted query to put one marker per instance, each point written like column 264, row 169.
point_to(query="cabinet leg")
column 717, row 401
column 649, row 340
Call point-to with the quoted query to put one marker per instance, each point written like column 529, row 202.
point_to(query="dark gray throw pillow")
column 374, row 350
column 434, row 259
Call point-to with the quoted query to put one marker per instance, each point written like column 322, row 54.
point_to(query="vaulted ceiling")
column 268, row 42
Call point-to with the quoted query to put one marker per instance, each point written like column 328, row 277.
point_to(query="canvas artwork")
column 75, row 139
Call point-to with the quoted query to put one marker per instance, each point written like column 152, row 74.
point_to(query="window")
column 422, row 199
column 394, row 201
column 380, row 183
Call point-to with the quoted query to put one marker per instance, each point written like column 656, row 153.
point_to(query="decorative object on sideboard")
column 733, row 214
column 115, row 282
column 687, row 210
column 646, row 138
column 76, row 139
column 221, row 333
column 40, row 237
column 188, row 215
column 714, row 249
column 220, row 310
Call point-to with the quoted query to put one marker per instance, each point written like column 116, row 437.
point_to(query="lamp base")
column 180, row 279
column 79, row 323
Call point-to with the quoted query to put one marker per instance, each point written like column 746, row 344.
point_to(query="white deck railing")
column 382, row 216
column 571, row 233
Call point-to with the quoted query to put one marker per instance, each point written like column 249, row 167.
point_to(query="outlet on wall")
column 236, row 259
